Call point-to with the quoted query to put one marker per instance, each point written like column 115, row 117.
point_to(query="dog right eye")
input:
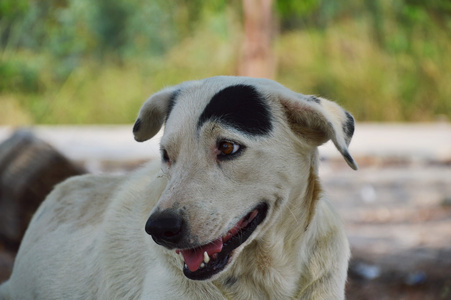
column 228, row 150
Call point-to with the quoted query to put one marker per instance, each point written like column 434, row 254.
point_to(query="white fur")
column 87, row 240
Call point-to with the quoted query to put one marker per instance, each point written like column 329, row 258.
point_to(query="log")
column 29, row 169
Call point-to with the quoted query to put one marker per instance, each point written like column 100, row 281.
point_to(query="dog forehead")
column 235, row 103
column 240, row 106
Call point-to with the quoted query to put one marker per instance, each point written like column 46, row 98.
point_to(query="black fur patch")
column 241, row 107
column 314, row 99
column 137, row 126
column 348, row 157
column 171, row 103
column 348, row 126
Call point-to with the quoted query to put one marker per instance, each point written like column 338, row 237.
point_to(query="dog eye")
column 228, row 148
column 165, row 156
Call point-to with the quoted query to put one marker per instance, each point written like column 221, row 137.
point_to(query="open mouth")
column 205, row 261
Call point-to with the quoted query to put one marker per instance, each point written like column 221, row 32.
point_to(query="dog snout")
column 166, row 228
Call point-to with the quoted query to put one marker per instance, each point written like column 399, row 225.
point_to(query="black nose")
column 166, row 228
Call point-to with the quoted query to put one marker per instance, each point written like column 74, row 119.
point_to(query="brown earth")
column 398, row 219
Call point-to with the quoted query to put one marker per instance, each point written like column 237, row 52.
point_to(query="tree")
column 256, row 58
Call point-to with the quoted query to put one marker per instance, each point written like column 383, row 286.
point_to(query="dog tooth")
column 202, row 265
column 206, row 257
column 186, row 266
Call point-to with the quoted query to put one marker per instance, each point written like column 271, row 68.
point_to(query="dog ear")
column 153, row 113
column 318, row 120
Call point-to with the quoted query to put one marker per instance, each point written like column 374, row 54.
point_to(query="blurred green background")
column 95, row 61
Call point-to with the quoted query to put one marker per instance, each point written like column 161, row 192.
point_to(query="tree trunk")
column 257, row 59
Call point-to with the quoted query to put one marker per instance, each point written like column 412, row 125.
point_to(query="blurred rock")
column 415, row 278
column 361, row 270
column 29, row 169
column 446, row 202
column 368, row 193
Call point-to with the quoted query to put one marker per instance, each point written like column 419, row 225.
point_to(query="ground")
column 398, row 220
column 396, row 208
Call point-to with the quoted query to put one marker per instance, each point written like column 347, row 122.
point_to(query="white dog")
column 236, row 211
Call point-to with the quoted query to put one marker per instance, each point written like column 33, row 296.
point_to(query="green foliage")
column 374, row 85
column 95, row 61
column 106, row 91
column 18, row 76
column 296, row 8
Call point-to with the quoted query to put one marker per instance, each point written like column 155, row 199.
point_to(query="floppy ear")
column 317, row 120
column 153, row 113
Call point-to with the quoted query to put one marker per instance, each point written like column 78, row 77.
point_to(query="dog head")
column 234, row 150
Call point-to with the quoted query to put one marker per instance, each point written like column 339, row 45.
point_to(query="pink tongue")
column 194, row 257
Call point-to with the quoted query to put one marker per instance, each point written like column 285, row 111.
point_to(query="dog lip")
column 220, row 259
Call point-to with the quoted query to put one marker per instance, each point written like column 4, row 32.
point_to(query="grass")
column 342, row 63
column 104, row 92
column 374, row 84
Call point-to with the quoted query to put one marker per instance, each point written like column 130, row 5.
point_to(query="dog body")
column 234, row 210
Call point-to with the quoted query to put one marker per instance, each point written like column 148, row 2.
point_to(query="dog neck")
column 273, row 263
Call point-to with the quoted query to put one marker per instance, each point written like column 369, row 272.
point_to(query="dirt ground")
column 396, row 209
column 398, row 220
